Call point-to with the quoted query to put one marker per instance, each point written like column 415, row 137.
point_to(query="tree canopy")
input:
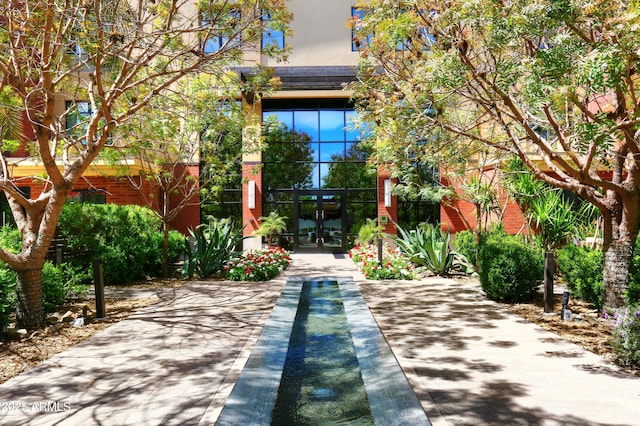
column 80, row 70
column 552, row 82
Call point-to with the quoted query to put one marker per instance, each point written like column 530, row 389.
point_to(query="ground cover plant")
column 626, row 335
column 258, row 265
column 394, row 265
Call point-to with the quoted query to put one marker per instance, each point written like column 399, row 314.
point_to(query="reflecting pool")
column 321, row 359
column 321, row 382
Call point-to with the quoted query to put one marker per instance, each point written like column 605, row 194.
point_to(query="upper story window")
column 220, row 31
column 271, row 37
column 78, row 113
column 427, row 39
column 357, row 14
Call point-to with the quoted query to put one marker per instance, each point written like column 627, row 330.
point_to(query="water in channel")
column 321, row 382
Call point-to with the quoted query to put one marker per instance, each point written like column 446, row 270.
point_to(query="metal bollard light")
column 549, row 270
column 98, row 279
column 565, row 313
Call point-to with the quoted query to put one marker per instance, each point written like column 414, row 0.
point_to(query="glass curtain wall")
column 313, row 155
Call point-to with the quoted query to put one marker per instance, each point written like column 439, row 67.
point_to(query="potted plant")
column 271, row 226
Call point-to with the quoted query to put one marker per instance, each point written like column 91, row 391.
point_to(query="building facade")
column 314, row 171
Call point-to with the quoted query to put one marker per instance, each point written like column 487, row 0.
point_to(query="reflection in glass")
column 331, row 125
column 332, row 152
column 313, row 176
column 287, row 164
column 334, row 177
column 306, row 122
column 282, row 117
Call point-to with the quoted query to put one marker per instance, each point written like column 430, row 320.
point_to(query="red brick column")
column 251, row 172
column 391, row 212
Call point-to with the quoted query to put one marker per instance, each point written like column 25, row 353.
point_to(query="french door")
column 319, row 220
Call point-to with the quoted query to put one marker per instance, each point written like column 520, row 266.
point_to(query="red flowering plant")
column 394, row 265
column 258, row 265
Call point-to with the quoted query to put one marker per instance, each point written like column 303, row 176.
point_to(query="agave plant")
column 428, row 246
column 213, row 245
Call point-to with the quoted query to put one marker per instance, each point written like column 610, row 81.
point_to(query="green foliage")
column 212, row 245
column 258, row 265
column 582, row 268
column 10, row 119
column 7, row 295
column 271, row 226
column 510, row 270
column 428, row 246
column 10, row 239
column 633, row 291
column 127, row 239
column 395, row 266
column 369, row 232
column 465, row 243
column 553, row 217
column 53, row 287
column 626, row 335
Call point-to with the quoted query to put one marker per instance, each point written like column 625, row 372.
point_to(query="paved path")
column 469, row 360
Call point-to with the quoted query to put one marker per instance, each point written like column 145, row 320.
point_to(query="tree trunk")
column 620, row 233
column 30, row 313
column 165, row 250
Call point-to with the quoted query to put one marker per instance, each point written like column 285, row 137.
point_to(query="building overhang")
column 27, row 167
column 307, row 77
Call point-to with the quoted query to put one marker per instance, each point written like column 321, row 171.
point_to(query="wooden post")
column 98, row 280
column 549, row 270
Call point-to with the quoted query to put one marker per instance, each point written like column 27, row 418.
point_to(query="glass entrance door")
column 319, row 221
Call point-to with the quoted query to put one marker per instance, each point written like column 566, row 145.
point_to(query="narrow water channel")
column 321, row 382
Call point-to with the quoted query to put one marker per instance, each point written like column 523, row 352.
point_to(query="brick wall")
column 251, row 172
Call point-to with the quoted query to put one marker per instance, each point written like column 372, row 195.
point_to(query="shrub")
column 369, row 232
column 510, row 270
column 258, row 265
column 394, row 265
column 53, row 287
column 465, row 243
column 582, row 269
column 626, row 335
column 7, row 295
column 127, row 239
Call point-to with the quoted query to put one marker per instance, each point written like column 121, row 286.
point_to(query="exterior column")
column 251, row 175
column 387, row 202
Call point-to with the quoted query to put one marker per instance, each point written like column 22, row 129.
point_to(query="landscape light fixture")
column 251, row 196
column 387, row 192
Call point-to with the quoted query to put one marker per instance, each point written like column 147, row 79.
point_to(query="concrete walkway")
column 469, row 360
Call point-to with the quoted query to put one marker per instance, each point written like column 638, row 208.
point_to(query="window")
column 6, row 216
column 356, row 16
column 426, row 38
column 89, row 196
column 220, row 31
column 78, row 114
column 271, row 37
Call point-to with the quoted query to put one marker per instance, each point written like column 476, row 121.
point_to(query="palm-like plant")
column 555, row 218
column 369, row 232
column 271, row 226
column 428, row 246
